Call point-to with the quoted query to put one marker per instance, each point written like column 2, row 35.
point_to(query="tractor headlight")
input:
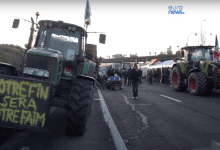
column 74, row 28
column 69, row 28
column 37, row 72
column 50, row 24
column 45, row 23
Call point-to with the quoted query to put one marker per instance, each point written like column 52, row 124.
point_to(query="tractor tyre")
column 6, row 70
column 178, row 80
column 209, row 89
column 79, row 107
column 197, row 83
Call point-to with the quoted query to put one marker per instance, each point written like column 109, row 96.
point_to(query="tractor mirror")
column 15, row 23
column 102, row 38
column 182, row 53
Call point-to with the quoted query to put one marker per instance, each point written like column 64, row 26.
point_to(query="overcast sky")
column 131, row 26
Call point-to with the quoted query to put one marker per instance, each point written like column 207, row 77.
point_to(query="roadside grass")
column 11, row 54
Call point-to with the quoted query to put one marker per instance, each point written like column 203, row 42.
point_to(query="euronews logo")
column 175, row 10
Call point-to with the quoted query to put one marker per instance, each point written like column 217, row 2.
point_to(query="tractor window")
column 200, row 54
column 58, row 40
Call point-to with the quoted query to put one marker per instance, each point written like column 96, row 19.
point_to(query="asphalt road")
column 161, row 119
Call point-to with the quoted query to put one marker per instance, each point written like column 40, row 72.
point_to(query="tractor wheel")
column 79, row 107
column 6, row 70
column 178, row 81
column 197, row 83
column 209, row 89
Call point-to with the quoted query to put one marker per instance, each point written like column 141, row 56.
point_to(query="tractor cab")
column 197, row 53
column 194, row 56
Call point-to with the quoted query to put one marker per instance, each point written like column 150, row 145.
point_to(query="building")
column 133, row 55
column 117, row 56
column 169, row 51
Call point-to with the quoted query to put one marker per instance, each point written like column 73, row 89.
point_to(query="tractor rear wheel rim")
column 192, row 84
column 175, row 78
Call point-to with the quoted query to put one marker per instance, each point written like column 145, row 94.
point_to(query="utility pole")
column 31, row 35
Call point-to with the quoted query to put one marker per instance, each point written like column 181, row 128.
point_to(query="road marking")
column 144, row 118
column 171, row 98
column 96, row 99
column 119, row 143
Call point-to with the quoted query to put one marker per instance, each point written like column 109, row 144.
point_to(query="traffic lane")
column 185, row 127
column 97, row 136
column 132, row 124
column 207, row 105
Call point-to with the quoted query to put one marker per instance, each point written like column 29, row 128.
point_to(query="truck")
column 196, row 71
column 54, row 72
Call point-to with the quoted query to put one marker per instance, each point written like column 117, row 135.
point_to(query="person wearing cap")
column 135, row 79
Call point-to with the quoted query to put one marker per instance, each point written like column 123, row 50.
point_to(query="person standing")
column 167, row 74
column 135, row 79
column 140, row 75
column 129, row 76
column 109, row 72
column 125, row 76
column 155, row 76
column 150, row 76
column 158, row 75
column 163, row 76
column 171, row 82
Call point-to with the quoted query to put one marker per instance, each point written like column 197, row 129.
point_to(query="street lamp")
column 211, row 38
column 188, row 38
column 201, row 33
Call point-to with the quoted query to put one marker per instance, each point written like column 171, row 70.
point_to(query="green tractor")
column 197, row 71
column 58, row 63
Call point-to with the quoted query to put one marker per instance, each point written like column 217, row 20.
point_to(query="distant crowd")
column 153, row 76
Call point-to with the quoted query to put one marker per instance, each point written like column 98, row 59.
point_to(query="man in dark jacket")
column 125, row 74
column 113, row 72
column 129, row 76
column 109, row 72
column 150, row 76
column 167, row 74
column 155, row 76
column 135, row 79
column 140, row 75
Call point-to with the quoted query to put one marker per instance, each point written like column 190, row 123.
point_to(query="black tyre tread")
column 78, row 109
column 209, row 88
column 201, row 83
column 181, row 85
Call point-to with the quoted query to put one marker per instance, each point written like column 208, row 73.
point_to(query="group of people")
column 159, row 75
column 132, row 77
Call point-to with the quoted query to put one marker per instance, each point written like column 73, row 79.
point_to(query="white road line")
column 96, row 99
column 171, row 98
column 120, row 145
